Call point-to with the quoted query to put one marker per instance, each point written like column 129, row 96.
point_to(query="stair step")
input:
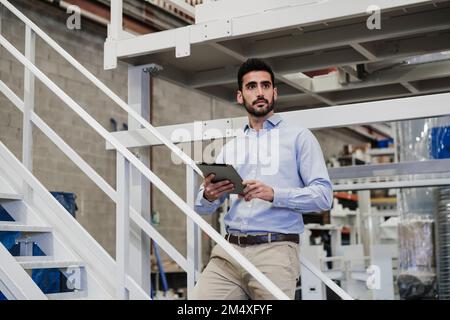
column 20, row 227
column 10, row 196
column 75, row 295
column 6, row 192
column 46, row 262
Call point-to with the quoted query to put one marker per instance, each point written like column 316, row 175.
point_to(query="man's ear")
column 239, row 97
column 275, row 94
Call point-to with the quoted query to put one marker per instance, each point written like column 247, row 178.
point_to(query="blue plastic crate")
column 440, row 142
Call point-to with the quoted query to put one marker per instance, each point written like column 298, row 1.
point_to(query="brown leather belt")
column 248, row 240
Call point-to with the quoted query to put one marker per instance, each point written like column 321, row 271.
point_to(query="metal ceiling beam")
column 305, row 89
column 289, row 100
column 401, row 75
column 314, row 61
column 355, row 34
column 282, row 66
column 368, row 94
column 431, row 42
column 410, row 87
column 222, row 93
column 283, row 18
column 278, row 75
column 383, row 128
column 364, row 51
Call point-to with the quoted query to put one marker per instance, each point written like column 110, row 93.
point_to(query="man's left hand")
column 256, row 189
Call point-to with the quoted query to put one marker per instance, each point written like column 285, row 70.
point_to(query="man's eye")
column 252, row 86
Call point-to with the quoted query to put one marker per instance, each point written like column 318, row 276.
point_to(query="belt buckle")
column 239, row 239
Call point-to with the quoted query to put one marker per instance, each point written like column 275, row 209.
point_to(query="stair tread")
column 75, row 295
column 20, row 226
column 44, row 262
column 10, row 196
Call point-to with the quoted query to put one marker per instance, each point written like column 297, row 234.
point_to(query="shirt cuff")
column 206, row 203
column 281, row 197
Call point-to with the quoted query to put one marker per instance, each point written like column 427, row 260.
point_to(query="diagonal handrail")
column 19, row 284
column 169, row 193
column 94, row 176
column 186, row 159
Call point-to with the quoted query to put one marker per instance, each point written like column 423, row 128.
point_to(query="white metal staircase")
column 38, row 216
column 43, row 221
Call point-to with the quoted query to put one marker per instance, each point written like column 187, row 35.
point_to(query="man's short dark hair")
column 254, row 64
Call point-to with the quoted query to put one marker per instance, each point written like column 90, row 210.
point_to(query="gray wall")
column 96, row 212
column 171, row 105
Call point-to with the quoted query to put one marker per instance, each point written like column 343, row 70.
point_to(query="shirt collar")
column 269, row 123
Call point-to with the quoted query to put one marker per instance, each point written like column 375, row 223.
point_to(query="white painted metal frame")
column 122, row 225
column 140, row 192
column 129, row 156
column 14, row 281
column 234, row 27
column 27, row 151
column 193, row 235
column 437, row 105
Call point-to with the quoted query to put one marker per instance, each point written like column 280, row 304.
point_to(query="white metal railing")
column 124, row 161
column 14, row 281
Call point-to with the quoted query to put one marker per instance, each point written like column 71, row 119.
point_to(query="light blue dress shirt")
column 287, row 158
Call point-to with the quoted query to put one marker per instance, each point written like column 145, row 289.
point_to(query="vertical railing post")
column 193, row 235
column 122, row 224
column 1, row 16
column 27, row 145
column 139, row 94
column 115, row 30
column 116, row 19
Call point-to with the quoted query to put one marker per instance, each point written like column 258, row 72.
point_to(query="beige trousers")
column 224, row 279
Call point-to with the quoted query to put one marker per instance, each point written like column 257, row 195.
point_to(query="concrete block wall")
column 96, row 211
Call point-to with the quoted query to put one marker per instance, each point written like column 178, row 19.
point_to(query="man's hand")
column 256, row 189
column 214, row 191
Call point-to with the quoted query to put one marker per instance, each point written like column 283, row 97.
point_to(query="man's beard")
column 258, row 111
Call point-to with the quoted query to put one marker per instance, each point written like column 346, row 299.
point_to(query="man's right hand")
column 214, row 191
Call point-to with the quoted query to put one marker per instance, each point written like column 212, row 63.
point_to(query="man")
column 264, row 224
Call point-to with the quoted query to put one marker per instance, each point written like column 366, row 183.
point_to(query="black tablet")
column 223, row 172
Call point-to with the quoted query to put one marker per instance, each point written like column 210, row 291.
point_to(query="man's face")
column 258, row 94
